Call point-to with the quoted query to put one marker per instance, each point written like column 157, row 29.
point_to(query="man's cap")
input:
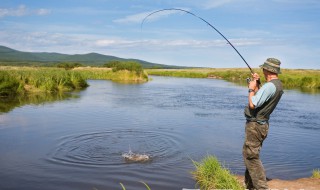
column 272, row 65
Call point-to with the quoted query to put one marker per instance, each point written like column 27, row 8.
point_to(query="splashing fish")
column 135, row 157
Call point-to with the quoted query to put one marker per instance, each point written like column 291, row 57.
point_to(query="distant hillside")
column 10, row 56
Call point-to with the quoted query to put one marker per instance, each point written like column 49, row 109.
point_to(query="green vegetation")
column 111, row 64
column 291, row 78
column 301, row 78
column 23, row 80
column 124, row 75
column 316, row 174
column 209, row 174
column 127, row 65
column 68, row 66
column 9, row 85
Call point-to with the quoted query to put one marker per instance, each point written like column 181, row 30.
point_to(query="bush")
column 130, row 66
column 111, row 64
column 68, row 66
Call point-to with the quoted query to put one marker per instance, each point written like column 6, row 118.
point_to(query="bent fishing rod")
column 188, row 12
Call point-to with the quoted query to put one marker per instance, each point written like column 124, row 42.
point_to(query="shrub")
column 130, row 66
column 111, row 64
column 68, row 66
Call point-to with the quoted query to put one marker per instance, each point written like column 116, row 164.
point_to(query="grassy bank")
column 209, row 174
column 22, row 80
column 291, row 78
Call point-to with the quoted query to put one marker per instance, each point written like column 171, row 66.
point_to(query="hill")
column 10, row 56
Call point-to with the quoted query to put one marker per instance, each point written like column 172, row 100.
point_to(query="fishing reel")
column 248, row 80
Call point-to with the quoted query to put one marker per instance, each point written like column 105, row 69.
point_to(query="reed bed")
column 291, row 78
column 14, row 80
column 22, row 80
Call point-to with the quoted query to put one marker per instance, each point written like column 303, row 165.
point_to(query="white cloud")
column 22, row 10
column 43, row 12
column 165, row 44
column 48, row 41
column 138, row 18
column 210, row 4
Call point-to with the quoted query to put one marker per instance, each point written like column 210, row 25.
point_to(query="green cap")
column 272, row 65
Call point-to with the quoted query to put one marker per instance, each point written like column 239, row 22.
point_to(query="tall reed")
column 24, row 79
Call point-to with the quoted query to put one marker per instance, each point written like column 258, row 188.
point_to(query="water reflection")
column 7, row 104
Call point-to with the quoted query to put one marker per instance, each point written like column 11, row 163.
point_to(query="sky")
column 285, row 29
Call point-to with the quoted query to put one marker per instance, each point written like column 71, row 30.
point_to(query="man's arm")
column 251, row 93
column 253, row 88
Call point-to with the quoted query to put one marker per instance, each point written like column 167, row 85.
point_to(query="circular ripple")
column 106, row 148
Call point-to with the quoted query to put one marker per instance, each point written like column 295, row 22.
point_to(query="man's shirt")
column 263, row 94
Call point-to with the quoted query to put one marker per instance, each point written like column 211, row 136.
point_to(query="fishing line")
column 176, row 9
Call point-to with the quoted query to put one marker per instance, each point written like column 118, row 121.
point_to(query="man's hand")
column 254, row 84
column 255, row 76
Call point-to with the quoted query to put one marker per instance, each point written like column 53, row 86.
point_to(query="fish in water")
column 135, row 157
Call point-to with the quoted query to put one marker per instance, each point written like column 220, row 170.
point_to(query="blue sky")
column 286, row 29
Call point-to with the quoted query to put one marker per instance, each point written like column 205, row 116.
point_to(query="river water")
column 76, row 142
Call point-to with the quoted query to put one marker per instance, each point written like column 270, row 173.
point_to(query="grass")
column 15, row 80
column 209, row 174
column 22, row 80
column 291, row 78
column 110, row 74
column 316, row 174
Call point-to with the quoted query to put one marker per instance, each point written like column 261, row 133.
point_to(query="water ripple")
column 106, row 147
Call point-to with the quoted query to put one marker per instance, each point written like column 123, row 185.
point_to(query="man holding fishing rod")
column 261, row 103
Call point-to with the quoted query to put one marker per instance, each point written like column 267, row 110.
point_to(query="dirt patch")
column 298, row 184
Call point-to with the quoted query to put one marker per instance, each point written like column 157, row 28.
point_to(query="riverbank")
column 297, row 184
column 291, row 78
column 23, row 80
column 210, row 174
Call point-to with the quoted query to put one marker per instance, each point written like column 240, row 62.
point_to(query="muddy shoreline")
column 297, row 184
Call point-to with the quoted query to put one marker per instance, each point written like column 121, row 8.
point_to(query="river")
column 76, row 142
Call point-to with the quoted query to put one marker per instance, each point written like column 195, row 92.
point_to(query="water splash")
column 135, row 157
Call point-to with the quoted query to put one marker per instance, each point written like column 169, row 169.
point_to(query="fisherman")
column 262, row 102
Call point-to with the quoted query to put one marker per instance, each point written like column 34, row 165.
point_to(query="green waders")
column 255, row 177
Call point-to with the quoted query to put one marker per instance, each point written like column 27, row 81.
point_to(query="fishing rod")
column 177, row 9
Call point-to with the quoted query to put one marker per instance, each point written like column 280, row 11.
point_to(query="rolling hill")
column 10, row 56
